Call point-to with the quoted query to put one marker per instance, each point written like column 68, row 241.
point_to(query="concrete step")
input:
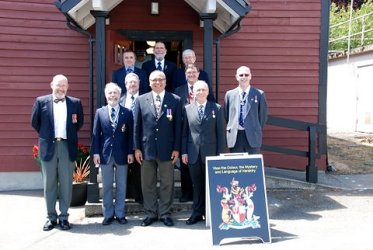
column 133, row 208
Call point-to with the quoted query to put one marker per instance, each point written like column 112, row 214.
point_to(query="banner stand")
column 236, row 198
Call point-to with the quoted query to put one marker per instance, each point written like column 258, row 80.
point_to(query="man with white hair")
column 112, row 149
column 189, row 57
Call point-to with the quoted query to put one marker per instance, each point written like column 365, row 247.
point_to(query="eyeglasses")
column 241, row 75
column 157, row 80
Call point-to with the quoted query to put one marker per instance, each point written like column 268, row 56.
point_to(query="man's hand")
column 138, row 156
column 174, row 156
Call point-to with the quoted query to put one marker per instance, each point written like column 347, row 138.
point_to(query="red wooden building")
column 284, row 42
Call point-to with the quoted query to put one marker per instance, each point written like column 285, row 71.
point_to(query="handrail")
column 361, row 34
column 312, row 153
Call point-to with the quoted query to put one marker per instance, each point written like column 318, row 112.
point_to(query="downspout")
column 74, row 26
column 233, row 29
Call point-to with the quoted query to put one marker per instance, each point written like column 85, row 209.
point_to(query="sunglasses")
column 241, row 75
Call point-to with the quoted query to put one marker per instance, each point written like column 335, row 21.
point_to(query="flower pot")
column 79, row 194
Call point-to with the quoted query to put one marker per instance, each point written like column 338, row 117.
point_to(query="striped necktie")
column 200, row 112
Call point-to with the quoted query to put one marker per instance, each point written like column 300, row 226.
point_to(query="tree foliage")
column 344, row 4
column 357, row 25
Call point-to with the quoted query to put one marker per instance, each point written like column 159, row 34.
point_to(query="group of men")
column 147, row 126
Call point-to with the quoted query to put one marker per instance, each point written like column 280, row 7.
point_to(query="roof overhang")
column 229, row 11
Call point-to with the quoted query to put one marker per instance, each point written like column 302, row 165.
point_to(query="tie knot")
column 159, row 67
column 243, row 94
column 59, row 100
column 158, row 98
column 132, row 97
column 129, row 70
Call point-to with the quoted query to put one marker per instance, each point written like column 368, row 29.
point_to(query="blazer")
column 157, row 137
column 205, row 137
column 169, row 70
column 183, row 92
column 42, row 121
column 119, row 75
column 256, row 116
column 180, row 78
column 106, row 143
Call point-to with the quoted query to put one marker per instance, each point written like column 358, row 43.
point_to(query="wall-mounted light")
column 154, row 8
column 150, row 43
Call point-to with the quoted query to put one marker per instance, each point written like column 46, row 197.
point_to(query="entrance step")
column 133, row 208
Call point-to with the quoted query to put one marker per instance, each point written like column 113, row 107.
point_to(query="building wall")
column 35, row 44
column 344, row 93
column 278, row 39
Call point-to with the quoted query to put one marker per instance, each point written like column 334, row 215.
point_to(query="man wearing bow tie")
column 57, row 118
column 245, row 110
column 160, row 63
column 118, row 76
column 112, row 150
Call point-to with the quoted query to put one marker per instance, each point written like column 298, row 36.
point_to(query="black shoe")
column 107, row 221
column 140, row 201
column 167, row 221
column 185, row 198
column 122, row 220
column 65, row 225
column 49, row 225
column 194, row 219
column 148, row 221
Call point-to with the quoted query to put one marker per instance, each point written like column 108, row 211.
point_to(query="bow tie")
column 59, row 100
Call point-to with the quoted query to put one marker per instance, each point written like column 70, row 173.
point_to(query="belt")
column 59, row 139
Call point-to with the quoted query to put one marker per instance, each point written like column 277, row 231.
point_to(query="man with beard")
column 160, row 63
column 112, row 149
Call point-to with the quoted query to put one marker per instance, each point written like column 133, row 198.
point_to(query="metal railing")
column 313, row 147
column 359, row 33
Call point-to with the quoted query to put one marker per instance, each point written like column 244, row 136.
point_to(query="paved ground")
column 303, row 216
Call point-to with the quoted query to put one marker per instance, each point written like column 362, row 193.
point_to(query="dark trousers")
column 198, row 175
column 186, row 182
column 134, row 182
column 242, row 145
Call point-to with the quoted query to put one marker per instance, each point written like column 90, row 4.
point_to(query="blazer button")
column 155, row 139
column 156, row 129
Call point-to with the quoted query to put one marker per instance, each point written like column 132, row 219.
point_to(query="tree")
column 343, row 4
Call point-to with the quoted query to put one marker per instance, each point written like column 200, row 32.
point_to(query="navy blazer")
column 183, row 92
column 256, row 116
column 180, row 78
column 119, row 75
column 204, row 137
column 106, row 143
column 169, row 70
column 42, row 121
column 157, row 137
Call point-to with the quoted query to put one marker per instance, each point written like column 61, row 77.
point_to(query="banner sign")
column 236, row 197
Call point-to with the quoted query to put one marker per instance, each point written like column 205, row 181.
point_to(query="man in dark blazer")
column 189, row 57
column 129, row 59
column 128, row 100
column 160, row 63
column 157, row 129
column 57, row 118
column 203, row 134
column 246, row 112
column 112, row 144
column 185, row 92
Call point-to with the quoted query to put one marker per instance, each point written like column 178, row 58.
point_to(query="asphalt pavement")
column 335, row 213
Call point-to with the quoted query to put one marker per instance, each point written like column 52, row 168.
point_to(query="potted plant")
column 80, row 175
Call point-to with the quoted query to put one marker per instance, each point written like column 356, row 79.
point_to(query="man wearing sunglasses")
column 245, row 110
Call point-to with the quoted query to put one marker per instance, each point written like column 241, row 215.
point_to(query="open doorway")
column 140, row 42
